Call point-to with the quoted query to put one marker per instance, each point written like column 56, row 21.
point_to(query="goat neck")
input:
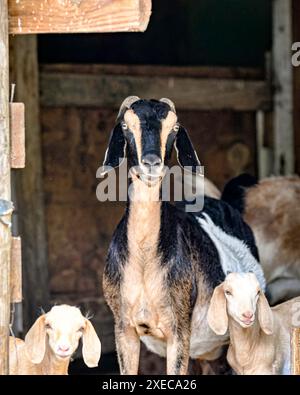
column 244, row 341
column 144, row 218
column 52, row 365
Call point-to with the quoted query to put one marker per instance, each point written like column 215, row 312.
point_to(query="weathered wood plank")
column 296, row 38
column 264, row 152
column 17, row 131
column 284, row 158
column 5, row 234
column 246, row 73
column 295, row 343
column 69, row 89
column 29, row 181
column 70, row 16
column 16, row 271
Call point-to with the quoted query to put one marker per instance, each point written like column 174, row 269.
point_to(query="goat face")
column 63, row 326
column 146, row 132
column 240, row 298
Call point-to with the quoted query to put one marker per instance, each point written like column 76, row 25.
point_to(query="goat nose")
column 151, row 160
column 64, row 347
column 248, row 315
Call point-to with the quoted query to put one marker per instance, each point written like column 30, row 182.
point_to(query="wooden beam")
column 29, row 182
column 93, row 90
column 284, row 158
column 264, row 153
column 16, row 271
column 5, row 193
column 73, row 16
column 242, row 73
column 17, row 131
column 295, row 346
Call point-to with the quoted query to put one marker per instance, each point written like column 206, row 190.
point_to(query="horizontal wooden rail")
column 217, row 72
column 71, row 16
column 64, row 88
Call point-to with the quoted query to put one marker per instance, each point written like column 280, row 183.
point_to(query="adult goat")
column 163, row 262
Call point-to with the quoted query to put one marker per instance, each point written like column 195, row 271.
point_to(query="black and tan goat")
column 164, row 263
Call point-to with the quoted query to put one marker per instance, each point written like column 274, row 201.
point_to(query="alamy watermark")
column 296, row 55
column 175, row 184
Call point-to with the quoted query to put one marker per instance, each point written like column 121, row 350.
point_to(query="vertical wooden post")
column 16, row 271
column 284, row 162
column 5, row 233
column 264, row 154
column 28, row 182
column 296, row 38
column 295, row 351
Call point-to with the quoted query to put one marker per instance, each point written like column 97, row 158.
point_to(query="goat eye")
column 228, row 293
column 48, row 326
column 124, row 126
column 176, row 128
column 81, row 329
column 258, row 293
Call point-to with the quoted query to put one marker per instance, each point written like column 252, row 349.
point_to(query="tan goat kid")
column 51, row 341
column 259, row 335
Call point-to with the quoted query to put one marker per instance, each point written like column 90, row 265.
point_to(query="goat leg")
column 128, row 349
column 178, row 354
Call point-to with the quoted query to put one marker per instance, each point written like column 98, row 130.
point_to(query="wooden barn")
column 65, row 67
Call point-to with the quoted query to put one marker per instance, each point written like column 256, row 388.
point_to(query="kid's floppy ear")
column 217, row 312
column 115, row 152
column 186, row 154
column 91, row 345
column 35, row 341
column 265, row 315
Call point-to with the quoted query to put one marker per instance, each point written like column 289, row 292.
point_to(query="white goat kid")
column 51, row 341
column 259, row 334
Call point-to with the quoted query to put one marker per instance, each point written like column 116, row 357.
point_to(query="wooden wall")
column 79, row 227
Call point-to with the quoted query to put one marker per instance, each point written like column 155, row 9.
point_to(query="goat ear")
column 265, row 315
column 115, row 152
column 186, row 154
column 217, row 313
column 35, row 341
column 91, row 346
